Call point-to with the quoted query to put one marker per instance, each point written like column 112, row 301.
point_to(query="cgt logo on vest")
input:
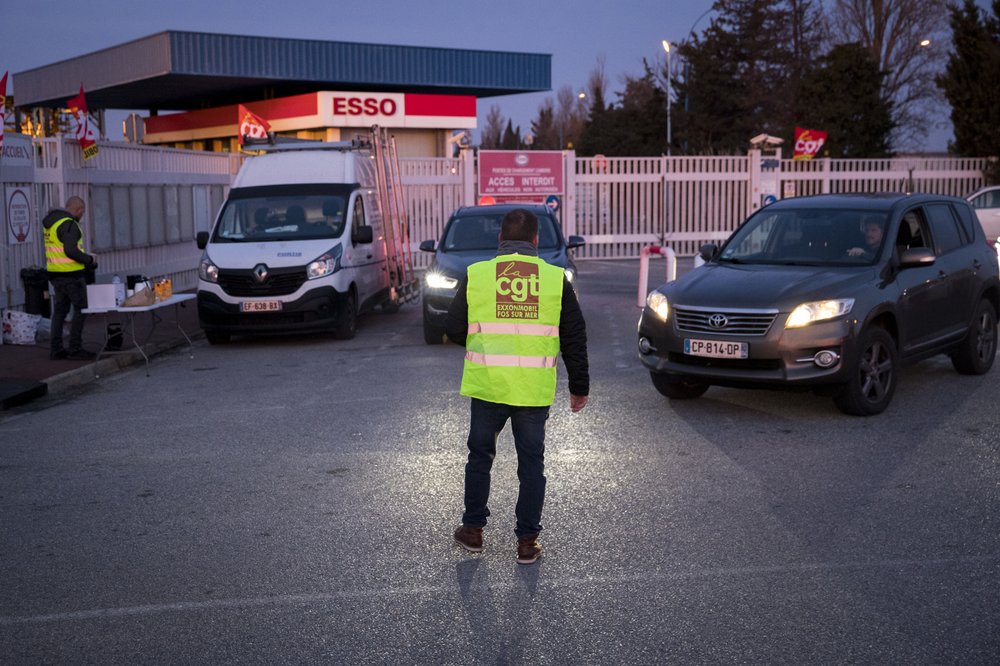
column 517, row 290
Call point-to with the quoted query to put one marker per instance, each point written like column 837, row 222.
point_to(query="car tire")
column 347, row 319
column 433, row 335
column 216, row 337
column 975, row 354
column 678, row 386
column 873, row 378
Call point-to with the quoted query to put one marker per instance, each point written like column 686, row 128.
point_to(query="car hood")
column 768, row 287
column 276, row 254
column 455, row 263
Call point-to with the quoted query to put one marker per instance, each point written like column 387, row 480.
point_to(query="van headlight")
column 809, row 313
column 435, row 280
column 208, row 271
column 325, row 265
column 657, row 302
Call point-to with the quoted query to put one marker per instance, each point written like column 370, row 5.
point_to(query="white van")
column 299, row 245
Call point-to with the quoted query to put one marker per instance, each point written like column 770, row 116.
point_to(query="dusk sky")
column 575, row 32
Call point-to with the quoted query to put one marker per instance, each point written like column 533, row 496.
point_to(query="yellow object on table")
column 163, row 289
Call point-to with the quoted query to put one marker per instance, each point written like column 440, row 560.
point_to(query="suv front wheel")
column 873, row 378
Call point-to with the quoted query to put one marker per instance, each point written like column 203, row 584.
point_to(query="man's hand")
column 577, row 402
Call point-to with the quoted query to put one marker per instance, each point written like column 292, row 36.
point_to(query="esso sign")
column 363, row 106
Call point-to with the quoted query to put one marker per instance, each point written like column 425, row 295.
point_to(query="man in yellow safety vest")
column 67, row 264
column 515, row 314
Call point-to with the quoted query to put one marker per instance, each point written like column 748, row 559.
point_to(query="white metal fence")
column 145, row 205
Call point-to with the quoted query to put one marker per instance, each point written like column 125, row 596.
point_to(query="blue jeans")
column 528, row 427
column 68, row 290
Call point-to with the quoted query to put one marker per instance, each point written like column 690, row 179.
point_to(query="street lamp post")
column 666, row 47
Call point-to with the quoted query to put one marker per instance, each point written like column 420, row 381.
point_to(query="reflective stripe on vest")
column 512, row 347
column 56, row 259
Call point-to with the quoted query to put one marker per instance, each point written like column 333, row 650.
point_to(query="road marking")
column 494, row 585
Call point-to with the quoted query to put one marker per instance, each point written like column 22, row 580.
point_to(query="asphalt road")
column 291, row 500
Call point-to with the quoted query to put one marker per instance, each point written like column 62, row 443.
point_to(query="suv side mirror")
column 201, row 239
column 707, row 251
column 363, row 235
column 575, row 241
column 916, row 256
column 426, row 246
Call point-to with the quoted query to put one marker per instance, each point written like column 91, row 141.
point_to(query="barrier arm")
column 644, row 255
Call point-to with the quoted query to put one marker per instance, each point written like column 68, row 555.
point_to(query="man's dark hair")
column 519, row 225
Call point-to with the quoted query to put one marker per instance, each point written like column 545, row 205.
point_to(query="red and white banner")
column 251, row 125
column 807, row 143
column 3, row 106
column 84, row 130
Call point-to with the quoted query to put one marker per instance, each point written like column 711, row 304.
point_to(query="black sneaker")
column 528, row 550
column 57, row 355
column 81, row 355
column 470, row 538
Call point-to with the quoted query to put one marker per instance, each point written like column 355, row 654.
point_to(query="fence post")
column 568, row 215
column 468, row 177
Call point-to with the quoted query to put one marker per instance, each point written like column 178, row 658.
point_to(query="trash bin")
column 36, row 291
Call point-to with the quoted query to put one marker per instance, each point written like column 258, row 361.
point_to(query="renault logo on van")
column 260, row 272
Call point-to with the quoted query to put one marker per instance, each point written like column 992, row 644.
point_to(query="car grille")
column 736, row 322
column 279, row 282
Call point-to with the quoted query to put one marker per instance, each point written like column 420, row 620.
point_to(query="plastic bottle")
column 119, row 289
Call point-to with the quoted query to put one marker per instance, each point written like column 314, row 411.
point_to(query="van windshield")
column 270, row 218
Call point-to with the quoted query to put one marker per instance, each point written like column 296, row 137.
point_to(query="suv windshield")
column 482, row 232
column 813, row 237
column 290, row 217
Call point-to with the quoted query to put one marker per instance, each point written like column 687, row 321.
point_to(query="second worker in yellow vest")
column 515, row 315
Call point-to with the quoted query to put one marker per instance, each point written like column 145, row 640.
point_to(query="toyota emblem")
column 717, row 321
column 260, row 272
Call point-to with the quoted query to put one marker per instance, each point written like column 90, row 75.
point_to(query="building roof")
column 175, row 70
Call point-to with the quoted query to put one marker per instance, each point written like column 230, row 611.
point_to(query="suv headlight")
column 657, row 302
column 328, row 264
column 435, row 280
column 808, row 313
column 208, row 271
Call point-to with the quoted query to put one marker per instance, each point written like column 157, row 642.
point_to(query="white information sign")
column 17, row 214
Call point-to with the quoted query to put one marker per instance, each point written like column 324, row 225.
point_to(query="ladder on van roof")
column 392, row 208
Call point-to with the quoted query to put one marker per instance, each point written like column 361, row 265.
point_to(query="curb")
column 115, row 363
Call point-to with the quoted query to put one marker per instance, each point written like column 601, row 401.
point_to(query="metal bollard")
column 644, row 254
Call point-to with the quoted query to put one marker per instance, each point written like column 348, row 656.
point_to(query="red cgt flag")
column 807, row 143
column 251, row 125
column 84, row 130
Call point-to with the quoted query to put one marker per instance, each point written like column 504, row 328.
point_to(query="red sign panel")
column 514, row 173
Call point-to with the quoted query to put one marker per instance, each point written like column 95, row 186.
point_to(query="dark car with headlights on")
column 831, row 293
column 472, row 234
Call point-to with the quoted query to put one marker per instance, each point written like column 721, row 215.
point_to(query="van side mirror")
column 201, row 239
column 575, row 241
column 363, row 235
column 426, row 246
column 707, row 251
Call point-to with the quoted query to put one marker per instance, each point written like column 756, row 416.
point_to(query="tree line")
column 870, row 73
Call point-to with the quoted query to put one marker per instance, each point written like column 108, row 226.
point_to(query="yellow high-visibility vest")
column 515, row 302
column 56, row 259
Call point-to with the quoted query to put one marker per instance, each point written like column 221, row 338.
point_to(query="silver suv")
column 829, row 293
